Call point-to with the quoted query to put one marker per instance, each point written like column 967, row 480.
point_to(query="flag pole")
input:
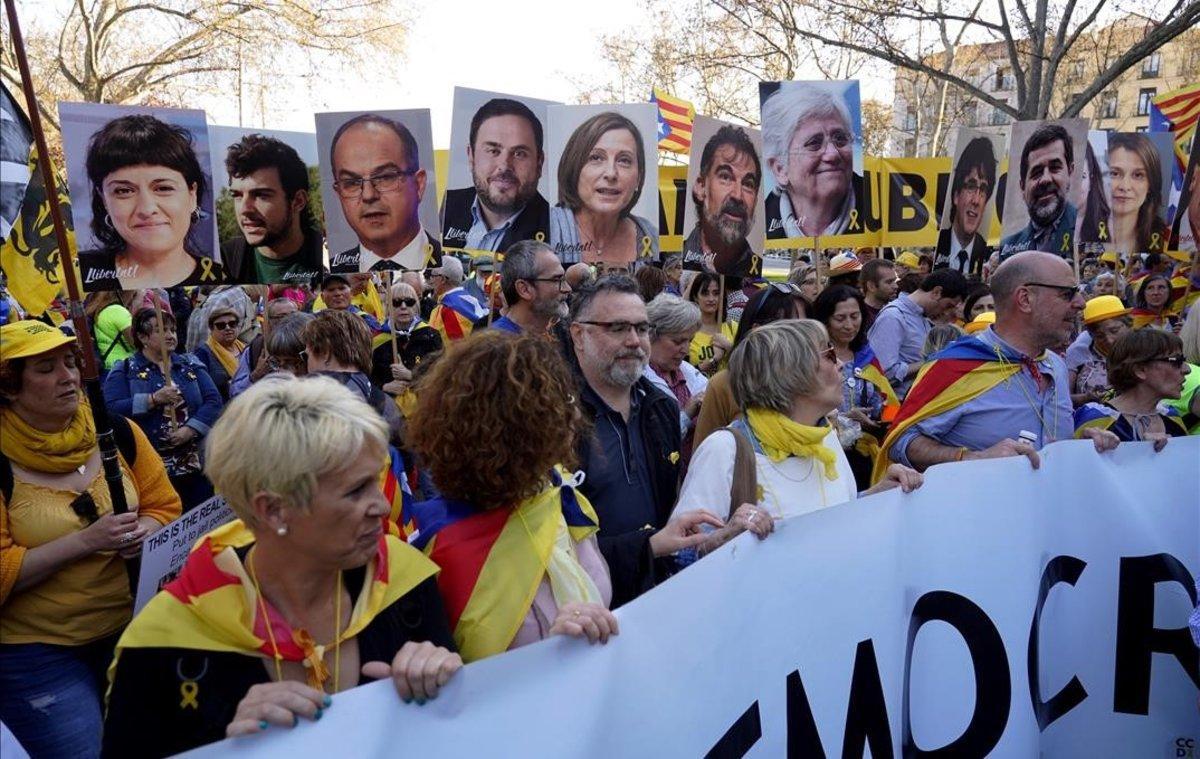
column 83, row 335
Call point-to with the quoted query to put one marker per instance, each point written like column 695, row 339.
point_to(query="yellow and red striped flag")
column 1181, row 109
column 675, row 117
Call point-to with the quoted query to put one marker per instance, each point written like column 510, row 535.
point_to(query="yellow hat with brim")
column 29, row 338
column 1103, row 307
column 981, row 322
column 909, row 259
column 1110, row 257
column 1182, row 256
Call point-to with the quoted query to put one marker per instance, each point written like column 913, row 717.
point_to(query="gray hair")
column 622, row 284
column 451, row 268
column 671, row 315
column 520, row 262
column 754, row 366
column 286, row 336
column 787, row 107
column 800, row 273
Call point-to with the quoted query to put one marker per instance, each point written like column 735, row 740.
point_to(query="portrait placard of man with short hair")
column 962, row 241
column 724, row 182
column 375, row 173
column 269, row 229
column 498, row 151
column 1045, row 186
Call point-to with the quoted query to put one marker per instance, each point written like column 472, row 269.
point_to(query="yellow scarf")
column 228, row 359
column 781, row 437
column 48, row 452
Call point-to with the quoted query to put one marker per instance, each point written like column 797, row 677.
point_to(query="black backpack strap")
column 6, row 478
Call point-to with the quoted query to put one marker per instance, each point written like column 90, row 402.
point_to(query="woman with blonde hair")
column 303, row 596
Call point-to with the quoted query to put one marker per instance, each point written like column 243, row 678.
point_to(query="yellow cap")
column 909, row 259
column 1110, row 256
column 844, row 263
column 1182, row 256
column 29, row 338
column 1103, row 307
column 981, row 322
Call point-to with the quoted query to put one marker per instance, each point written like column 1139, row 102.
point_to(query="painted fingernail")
column 328, row 701
column 317, row 716
column 263, row 724
column 420, row 702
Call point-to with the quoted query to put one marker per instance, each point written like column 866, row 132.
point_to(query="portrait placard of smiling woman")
column 149, row 218
column 605, row 183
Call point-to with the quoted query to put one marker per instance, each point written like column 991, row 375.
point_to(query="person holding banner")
column 304, row 596
column 799, row 464
column 986, row 394
column 147, row 192
column 515, row 541
column 174, row 414
column 64, row 591
column 1146, row 367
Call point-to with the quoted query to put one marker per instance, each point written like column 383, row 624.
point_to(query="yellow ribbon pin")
column 1103, row 231
column 206, row 270
column 1066, row 243
column 428, row 252
column 189, row 689
column 645, row 246
column 854, row 225
column 540, row 237
column 1154, row 238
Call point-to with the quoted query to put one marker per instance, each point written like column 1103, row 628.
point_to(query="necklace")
column 337, row 635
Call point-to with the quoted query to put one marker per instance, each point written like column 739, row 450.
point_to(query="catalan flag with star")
column 675, row 117
column 1181, row 110
column 29, row 252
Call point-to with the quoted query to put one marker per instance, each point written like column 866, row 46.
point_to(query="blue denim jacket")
column 129, row 384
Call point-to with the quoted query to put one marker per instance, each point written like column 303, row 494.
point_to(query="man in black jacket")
column 504, row 152
column 631, row 459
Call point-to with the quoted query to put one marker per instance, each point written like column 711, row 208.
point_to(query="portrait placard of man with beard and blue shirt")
column 725, row 217
column 1041, row 206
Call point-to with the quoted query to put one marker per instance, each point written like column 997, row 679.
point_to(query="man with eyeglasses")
column 254, row 362
column 379, row 181
column 725, row 194
column 1002, row 391
column 631, row 458
column 535, row 288
column 961, row 247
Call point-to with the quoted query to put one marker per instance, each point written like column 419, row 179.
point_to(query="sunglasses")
column 407, row 302
column 84, row 507
column 1176, row 361
column 224, row 325
column 830, row 354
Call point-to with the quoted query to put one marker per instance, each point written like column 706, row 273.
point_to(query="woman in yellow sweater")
column 64, row 592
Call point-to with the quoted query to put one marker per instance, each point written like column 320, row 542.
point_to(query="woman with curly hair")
column 515, row 542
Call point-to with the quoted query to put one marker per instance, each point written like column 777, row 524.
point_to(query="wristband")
column 962, row 451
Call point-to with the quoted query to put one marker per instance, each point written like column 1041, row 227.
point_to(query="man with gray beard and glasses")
column 535, row 289
column 630, row 460
column 725, row 193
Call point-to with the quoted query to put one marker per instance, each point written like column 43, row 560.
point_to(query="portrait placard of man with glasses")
column 812, row 145
column 962, row 243
column 375, row 176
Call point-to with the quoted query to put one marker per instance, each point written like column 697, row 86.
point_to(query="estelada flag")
column 493, row 560
column 965, row 369
column 675, row 117
column 1181, row 109
column 29, row 255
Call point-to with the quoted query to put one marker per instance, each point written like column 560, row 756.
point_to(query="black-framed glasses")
column 303, row 356
column 84, row 507
column 224, row 325
column 384, row 181
column 1176, row 361
column 619, row 328
column 406, row 302
column 1066, row 292
column 558, row 281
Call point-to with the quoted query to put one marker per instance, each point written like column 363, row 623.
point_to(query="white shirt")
column 955, row 247
column 411, row 257
column 791, row 487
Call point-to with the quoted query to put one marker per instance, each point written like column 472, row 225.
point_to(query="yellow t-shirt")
column 702, row 348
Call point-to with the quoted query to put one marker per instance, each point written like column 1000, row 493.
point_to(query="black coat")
column 347, row 261
column 216, row 370
column 980, row 252
column 631, row 562
column 456, row 220
column 145, row 713
column 238, row 259
column 414, row 348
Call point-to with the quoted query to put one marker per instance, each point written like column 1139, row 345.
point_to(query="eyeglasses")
column 830, row 355
column 617, row 329
column 983, row 188
column 815, row 144
column 785, row 288
column 406, row 302
column 224, row 325
column 1176, row 361
column 1066, row 292
column 386, row 181
column 558, row 282
column 84, row 507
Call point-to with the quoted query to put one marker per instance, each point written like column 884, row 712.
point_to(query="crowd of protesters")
column 435, row 467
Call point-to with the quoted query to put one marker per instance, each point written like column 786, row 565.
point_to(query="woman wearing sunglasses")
column 416, row 342
column 64, row 592
column 221, row 351
column 784, row 437
column 1145, row 367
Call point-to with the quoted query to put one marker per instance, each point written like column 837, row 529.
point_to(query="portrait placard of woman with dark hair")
column 149, row 218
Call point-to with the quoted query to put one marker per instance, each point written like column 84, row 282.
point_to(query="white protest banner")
column 164, row 552
column 997, row 611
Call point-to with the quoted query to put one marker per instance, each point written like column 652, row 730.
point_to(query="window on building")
column 910, row 146
column 1108, row 105
column 1077, row 70
column 1143, row 129
column 1145, row 95
column 998, row 117
column 910, row 120
column 1152, row 65
column 1003, row 80
column 969, row 113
